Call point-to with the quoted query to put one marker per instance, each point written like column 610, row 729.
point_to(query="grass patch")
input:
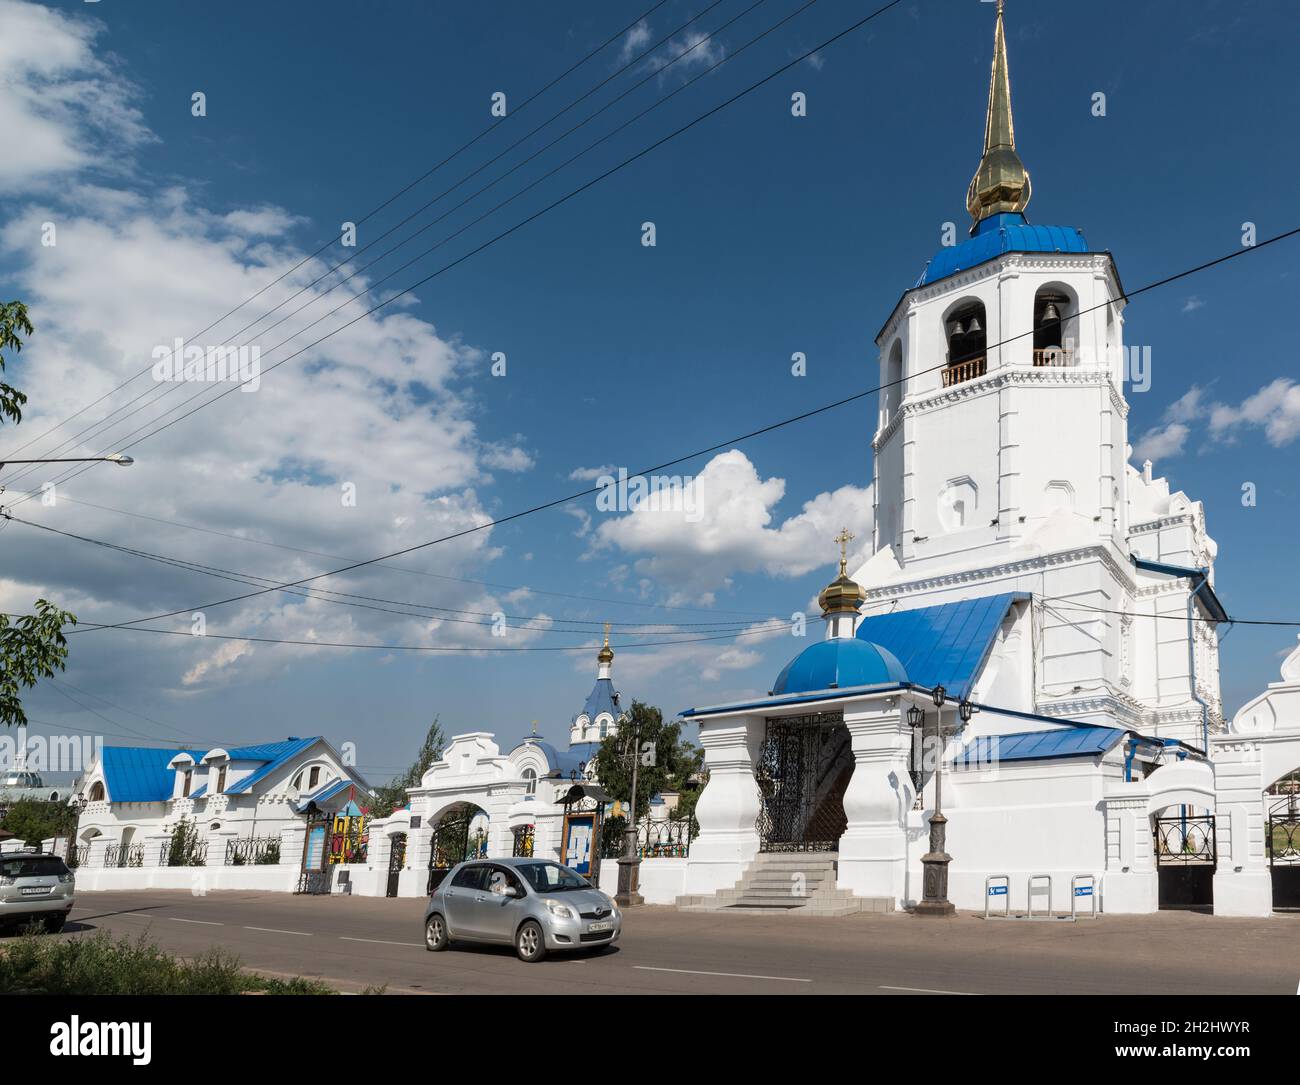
column 100, row 965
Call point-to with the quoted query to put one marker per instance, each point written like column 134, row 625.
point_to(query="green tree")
column 13, row 322
column 32, row 646
column 665, row 760
column 392, row 796
column 32, row 821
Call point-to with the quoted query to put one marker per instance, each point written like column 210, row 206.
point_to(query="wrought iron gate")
column 1284, row 853
column 802, row 772
column 396, row 860
column 450, row 844
column 523, row 845
column 1186, row 854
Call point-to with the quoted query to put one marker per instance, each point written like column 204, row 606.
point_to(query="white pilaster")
column 729, row 805
column 873, row 855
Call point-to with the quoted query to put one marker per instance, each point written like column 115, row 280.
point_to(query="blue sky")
column 774, row 235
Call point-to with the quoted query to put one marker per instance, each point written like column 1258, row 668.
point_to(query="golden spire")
column 606, row 654
column 842, row 595
column 1001, row 183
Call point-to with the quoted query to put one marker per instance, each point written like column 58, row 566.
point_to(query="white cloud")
column 590, row 474
column 1193, row 303
column 732, row 530
column 1162, row 442
column 1275, row 408
column 380, row 407
column 637, row 39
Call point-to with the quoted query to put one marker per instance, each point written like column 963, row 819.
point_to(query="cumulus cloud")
column 1275, row 409
column 363, row 445
column 1162, row 442
column 726, row 524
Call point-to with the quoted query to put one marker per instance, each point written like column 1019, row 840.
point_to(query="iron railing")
column 253, row 851
column 1283, row 839
column 124, row 855
column 172, row 854
column 670, row 839
column 77, row 856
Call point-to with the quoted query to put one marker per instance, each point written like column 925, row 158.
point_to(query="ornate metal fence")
column 253, row 851
column 78, row 855
column 525, row 836
column 1283, row 846
column 654, row 839
column 124, row 855
column 183, row 853
column 803, row 769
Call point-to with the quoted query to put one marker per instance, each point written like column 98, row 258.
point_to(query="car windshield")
column 32, row 866
column 551, row 877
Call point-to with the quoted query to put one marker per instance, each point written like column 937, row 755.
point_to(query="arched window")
column 967, row 343
column 604, row 729
column 530, row 781
column 1054, row 319
column 891, row 395
column 189, row 781
column 97, row 792
column 221, row 780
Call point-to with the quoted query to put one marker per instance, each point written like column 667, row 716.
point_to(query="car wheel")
column 435, row 934
column 530, row 943
column 54, row 923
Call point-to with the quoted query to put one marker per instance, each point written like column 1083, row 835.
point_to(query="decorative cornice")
column 1002, row 377
column 1007, row 569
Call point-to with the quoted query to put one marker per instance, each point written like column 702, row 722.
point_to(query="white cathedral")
column 1045, row 606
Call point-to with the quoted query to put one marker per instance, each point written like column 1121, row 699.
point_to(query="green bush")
column 100, row 965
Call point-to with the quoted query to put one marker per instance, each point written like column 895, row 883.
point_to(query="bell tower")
column 1002, row 416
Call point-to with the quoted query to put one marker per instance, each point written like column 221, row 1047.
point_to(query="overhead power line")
column 159, row 392
column 514, row 112
column 771, row 427
column 512, row 229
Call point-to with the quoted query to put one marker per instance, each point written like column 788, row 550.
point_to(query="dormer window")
column 97, row 792
column 530, row 781
column 967, row 344
column 314, row 777
column 221, row 780
column 188, row 783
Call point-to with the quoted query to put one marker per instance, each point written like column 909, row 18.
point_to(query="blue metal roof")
column 944, row 645
column 140, row 773
column 1203, row 591
column 564, row 762
column 1076, row 740
column 327, row 792
column 602, row 698
column 996, row 235
column 834, row 664
column 271, row 754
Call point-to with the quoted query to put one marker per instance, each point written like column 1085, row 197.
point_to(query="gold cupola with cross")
column 842, row 597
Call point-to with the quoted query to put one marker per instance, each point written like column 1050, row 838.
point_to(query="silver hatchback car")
column 35, row 887
column 536, row 905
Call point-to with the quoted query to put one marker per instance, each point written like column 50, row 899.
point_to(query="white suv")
column 34, row 886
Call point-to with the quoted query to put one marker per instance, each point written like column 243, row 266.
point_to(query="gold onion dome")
column 606, row 654
column 1001, row 184
column 843, row 594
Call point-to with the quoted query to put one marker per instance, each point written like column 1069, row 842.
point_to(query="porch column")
column 873, row 848
column 728, row 807
column 1130, row 884
column 1243, row 885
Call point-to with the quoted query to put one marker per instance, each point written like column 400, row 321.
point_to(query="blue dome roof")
column 839, row 664
column 998, row 234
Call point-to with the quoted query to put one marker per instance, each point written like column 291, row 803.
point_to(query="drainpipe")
column 1191, row 657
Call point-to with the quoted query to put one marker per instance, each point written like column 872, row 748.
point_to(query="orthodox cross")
column 844, row 538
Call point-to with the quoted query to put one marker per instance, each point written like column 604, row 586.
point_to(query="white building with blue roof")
column 132, row 798
column 1020, row 563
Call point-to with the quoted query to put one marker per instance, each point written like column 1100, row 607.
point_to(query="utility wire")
column 159, row 392
column 771, row 427
column 520, row 224
column 439, row 613
column 373, row 211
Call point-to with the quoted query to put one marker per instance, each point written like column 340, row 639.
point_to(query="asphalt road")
column 353, row 942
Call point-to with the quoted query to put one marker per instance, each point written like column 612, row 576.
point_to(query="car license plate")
column 31, row 890
column 603, row 925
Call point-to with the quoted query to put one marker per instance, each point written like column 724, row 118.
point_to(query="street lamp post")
column 934, row 900
column 629, row 863
column 119, row 458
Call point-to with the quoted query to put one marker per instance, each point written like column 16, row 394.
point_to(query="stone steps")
column 767, row 888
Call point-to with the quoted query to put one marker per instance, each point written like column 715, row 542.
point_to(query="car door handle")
column 480, row 899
